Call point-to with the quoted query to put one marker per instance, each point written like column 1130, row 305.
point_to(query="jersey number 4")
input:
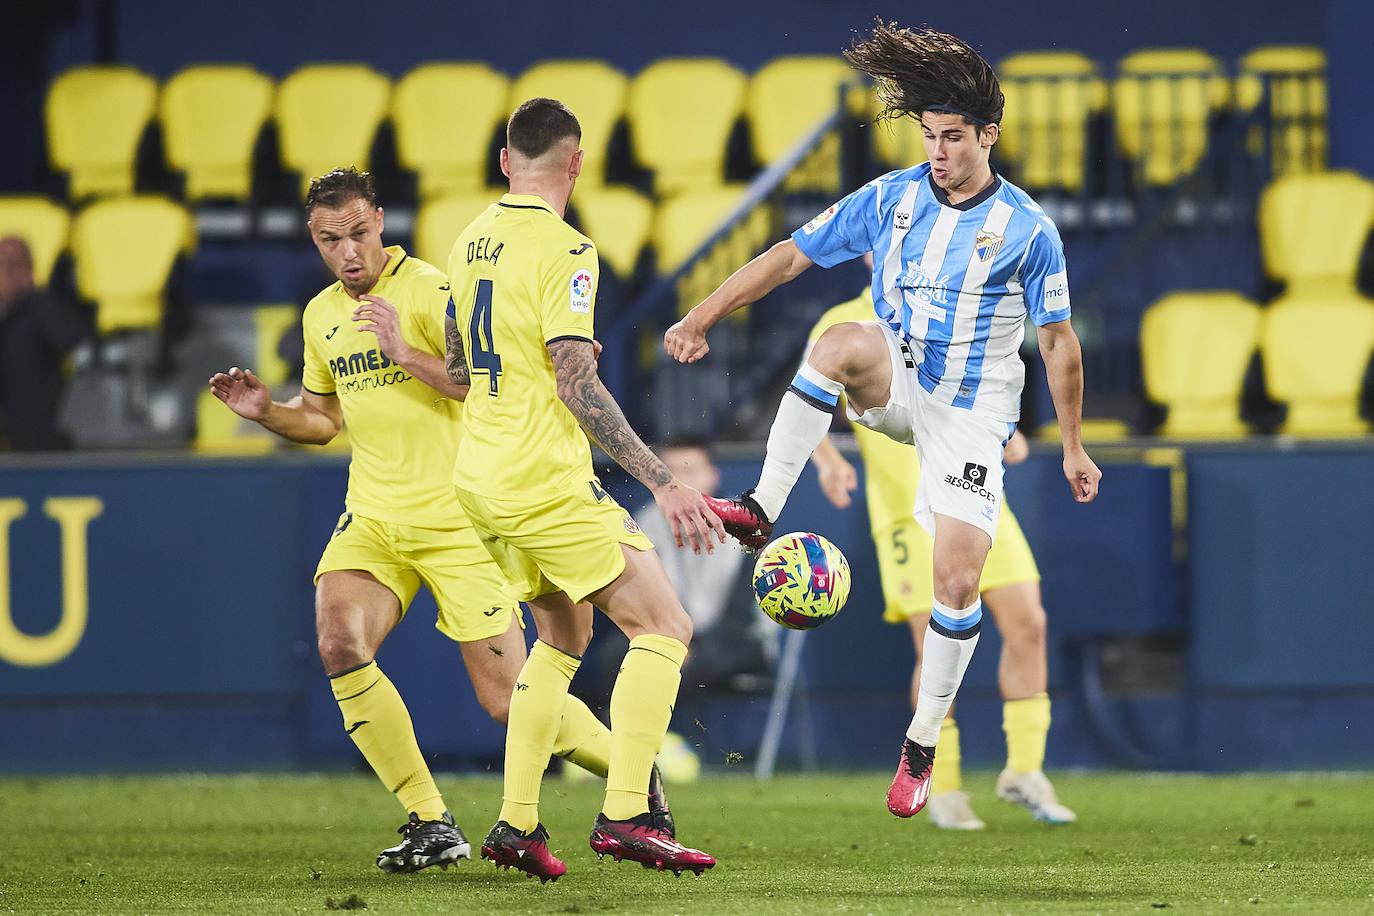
column 484, row 357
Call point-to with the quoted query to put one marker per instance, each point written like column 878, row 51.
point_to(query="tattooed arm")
column 456, row 361
column 579, row 387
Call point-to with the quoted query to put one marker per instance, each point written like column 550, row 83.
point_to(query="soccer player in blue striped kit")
column 961, row 258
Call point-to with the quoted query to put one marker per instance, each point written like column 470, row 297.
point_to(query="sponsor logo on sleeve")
column 1057, row 292
column 820, row 219
column 580, row 292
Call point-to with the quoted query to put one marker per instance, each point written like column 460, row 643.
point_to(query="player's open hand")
column 689, row 518
column 685, row 342
column 838, row 479
column 242, row 392
column 1082, row 474
column 380, row 317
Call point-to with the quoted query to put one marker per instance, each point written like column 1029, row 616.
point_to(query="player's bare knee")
column 340, row 651
column 841, row 352
column 957, row 588
column 496, row 703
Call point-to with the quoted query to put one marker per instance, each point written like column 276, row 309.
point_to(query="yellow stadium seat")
column 681, row 111
column 787, row 98
column 1050, row 97
column 124, row 249
column 1296, row 76
column 438, row 223
column 1099, row 430
column 1313, row 228
column 220, row 431
column 95, row 117
column 327, row 117
column 1195, row 348
column 684, row 222
column 211, row 118
column 594, row 90
column 619, row 221
column 270, row 322
column 444, row 115
column 1163, row 99
column 897, row 141
column 1316, row 350
column 39, row 222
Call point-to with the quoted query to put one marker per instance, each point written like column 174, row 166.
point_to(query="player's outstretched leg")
column 744, row 519
column 911, row 786
column 528, row 852
column 425, row 843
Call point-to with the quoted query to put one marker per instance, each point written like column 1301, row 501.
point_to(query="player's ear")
column 575, row 166
column 381, row 220
column 505, row 162
column 990, row 134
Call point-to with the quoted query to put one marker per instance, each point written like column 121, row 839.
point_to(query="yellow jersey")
column 892, row 469
column 404, row 434
column 522, row 278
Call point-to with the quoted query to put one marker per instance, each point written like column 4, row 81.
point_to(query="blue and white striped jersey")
column 957, row 282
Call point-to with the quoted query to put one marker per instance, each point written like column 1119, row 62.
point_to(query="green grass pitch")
column 799, row 844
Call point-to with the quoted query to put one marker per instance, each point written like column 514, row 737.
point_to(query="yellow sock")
column 948, row 773
column 641, row 705
column 582, row 738
column 536, row 707
column 1027, row 724
column 379, row 723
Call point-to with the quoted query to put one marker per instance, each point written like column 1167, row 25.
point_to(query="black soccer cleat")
column 640, row 840
column 658, row 804
column 526, row 852
column 744, row 519
column 425, row 843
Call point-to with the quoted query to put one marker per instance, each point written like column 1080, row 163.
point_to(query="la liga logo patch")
column 580, row 292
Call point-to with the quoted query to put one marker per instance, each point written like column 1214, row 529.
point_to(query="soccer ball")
column 801, row 580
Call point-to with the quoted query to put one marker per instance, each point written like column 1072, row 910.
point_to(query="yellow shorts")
column 469, row 589
column 905, row 565
column 566, row 541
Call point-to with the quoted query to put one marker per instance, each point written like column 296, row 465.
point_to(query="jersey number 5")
column 484, row 357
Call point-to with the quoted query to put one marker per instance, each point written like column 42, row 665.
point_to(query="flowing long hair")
column 921, row 69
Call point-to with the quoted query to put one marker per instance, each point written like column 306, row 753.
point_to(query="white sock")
column 949, row 643
column 802, row 421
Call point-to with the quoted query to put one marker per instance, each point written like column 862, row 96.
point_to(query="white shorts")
column 960, row 451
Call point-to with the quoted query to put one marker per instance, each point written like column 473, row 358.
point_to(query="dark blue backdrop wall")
column 158, row 615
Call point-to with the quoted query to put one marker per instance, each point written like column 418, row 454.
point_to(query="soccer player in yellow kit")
column 520, row 332
column 1010, row 587
column 374, row 359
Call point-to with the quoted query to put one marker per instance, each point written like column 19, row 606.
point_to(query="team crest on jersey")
column 630, row 525
column 580, row 292
column 987, row 244
column 820, row 219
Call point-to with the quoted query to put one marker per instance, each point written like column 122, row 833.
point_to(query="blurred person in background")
column 962, row 259
column 38, row 329
column 733, row 644
column 374, row 345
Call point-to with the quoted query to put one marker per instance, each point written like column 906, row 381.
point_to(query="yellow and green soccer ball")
column 801, row 580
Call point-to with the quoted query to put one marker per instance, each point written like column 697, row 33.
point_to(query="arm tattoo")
column 594, row 407
column 456, row 361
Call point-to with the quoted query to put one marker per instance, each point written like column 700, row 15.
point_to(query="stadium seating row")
column 1312, row 231
column 679, row 111
column 1196, row 348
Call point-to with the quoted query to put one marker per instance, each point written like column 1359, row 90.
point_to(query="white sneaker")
column 1033, row 792
column 950, row 811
